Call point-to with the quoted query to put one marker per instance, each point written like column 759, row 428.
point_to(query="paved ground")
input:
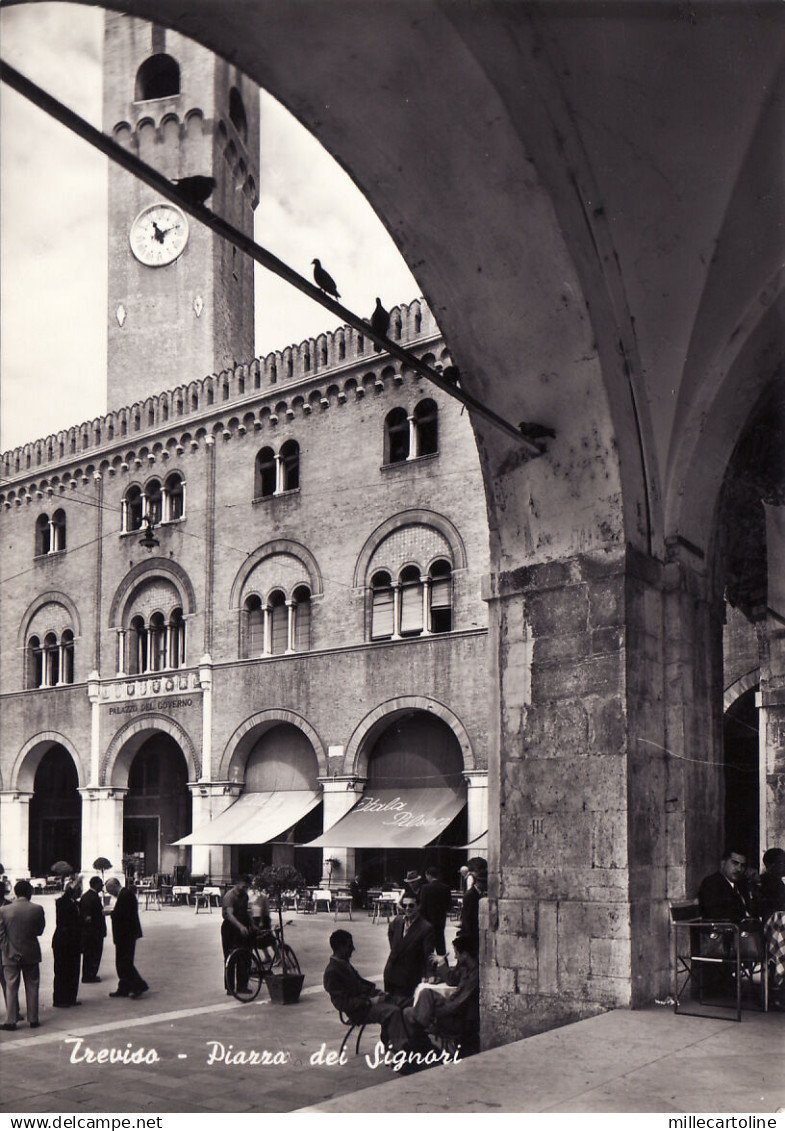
column 643, row 1061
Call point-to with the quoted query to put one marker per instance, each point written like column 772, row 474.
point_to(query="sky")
column 53, row 238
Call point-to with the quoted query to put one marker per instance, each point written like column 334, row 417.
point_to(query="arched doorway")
column 415, row 749
column 157, row 807
column 55, row 813
column 283, row 760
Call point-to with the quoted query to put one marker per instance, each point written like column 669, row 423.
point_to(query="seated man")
column 412, row 945
column 357, row 998
column 456, row 1014
column 722, row 895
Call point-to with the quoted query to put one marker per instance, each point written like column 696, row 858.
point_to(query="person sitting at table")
column 723, row 895
column 358, row 999
column 450, row 1007
column 772, row 882
column 773, row 913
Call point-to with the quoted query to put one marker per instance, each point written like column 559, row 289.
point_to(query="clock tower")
column 181, row 300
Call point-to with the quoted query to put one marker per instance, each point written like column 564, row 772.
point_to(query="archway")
column 413, row 749
column 157, row 808
column 55, row 813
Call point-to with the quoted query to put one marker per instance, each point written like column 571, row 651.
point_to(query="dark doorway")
column 157, row 807
column 741, row 777
column 55, row 813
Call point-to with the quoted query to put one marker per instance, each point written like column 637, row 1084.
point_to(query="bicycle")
column 246, row 967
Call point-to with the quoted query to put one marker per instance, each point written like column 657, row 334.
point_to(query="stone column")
column 206, row 684
column 102, row 827
column 208, row 800
column 476, row 803
column 94, row 695
column 340, row 794
column 771, row 730
column 15, row 832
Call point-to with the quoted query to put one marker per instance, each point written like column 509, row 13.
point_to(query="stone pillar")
column 771, row 703
column 340, row 795
column 206, row 684
column 580, row 785
column 476, row 803
column 102, row 827
column 208, row 800
column 14, row 833
column 94, row 695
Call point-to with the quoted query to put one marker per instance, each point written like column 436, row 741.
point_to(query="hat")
column 411, row 876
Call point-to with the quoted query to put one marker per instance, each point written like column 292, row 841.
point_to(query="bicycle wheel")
column 286, row 961
column 243, row 974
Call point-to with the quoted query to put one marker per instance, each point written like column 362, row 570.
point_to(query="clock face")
column 159, row 234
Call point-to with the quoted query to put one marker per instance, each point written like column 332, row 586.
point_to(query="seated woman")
column 451, row 1009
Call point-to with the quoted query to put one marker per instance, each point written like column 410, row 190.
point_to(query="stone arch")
column 279, row 546
column 419, row 517
column 237, row 748
column 175, row 573
column 52, row 596
column 739, row 687
column 356, row 756
column 29, row 757
column 122, row 749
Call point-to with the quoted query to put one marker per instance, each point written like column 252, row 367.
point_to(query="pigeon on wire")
column 531, row 431
column 195, row 190
column 380, row 323
column 323, row 280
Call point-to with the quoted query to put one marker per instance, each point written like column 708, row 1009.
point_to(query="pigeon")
column 324, row 281
column 195, row 190
column 380, row 322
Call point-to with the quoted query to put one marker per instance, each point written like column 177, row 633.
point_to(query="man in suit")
column 126, row 929
column 91, row 909
column 357, row 998
column 435, row 903
column 722, row 895
column 21, row 925
column 456, row 1013
column 411, row 946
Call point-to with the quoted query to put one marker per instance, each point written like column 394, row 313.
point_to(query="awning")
column 256, row 818
column 394, row 818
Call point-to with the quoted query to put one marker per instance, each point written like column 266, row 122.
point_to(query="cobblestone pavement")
column 185, row 1017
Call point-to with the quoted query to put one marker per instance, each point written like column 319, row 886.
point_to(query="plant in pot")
column 284, row 981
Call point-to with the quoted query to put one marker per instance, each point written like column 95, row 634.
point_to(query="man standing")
column 67, row 946
column 21, row 925
column 126, row 929
column 411, row 946
column 91, row 909
column 435, row 904
column 357, row 998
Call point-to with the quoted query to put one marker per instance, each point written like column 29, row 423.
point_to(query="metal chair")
column 351, row 1026
column 710, row 954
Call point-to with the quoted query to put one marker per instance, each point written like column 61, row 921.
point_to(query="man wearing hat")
column 412, row 882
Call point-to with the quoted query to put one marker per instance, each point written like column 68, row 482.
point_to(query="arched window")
column 411, row 602
column 279, row 623
column 132, row 509
column 51, row 661
column 67, row 657
column 35, row 663
column 58, row 531
column 396, row 436
column 176, row 644
column 158, row 77
column 290, row 466
column 254, row 628
column 237, row 113
column 153, row 500
column 264, row 479
column 157, row 642
column 42, row 535
column 302, row 618
column 440, row 603
column 173, row 497
column 137, row 647
column 427, row 428
column 382, row 606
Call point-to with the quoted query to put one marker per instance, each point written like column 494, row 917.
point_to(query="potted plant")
column 285, row 983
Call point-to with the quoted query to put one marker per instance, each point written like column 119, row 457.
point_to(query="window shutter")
column 302, row 626
column 280, row 628
column 411, row 609
column 382, row 616
column 441, row 596
column 256, row 632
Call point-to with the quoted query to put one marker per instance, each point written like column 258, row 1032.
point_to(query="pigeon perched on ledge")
column 380, row 322
column 324, row 281
column 195, row 189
